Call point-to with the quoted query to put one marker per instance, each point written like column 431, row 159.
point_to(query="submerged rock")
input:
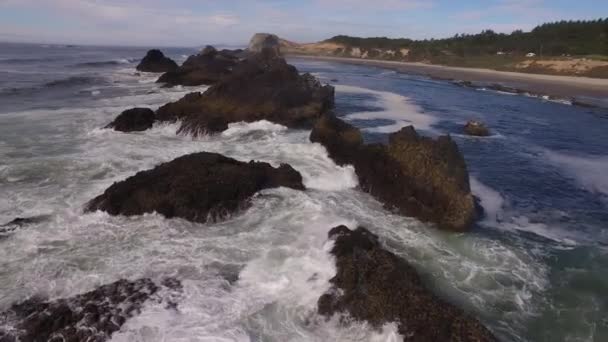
column 205, row 68
column 476, row 128
column 197, row 187
column 418, row 176
column 262, row 41
column 155, row 61
column 263, row 87
column 376, row 286
column 20, row 222
column 133, row 120
column 92, row 316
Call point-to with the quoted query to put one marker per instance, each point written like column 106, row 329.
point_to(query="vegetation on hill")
column 561, row 48
column 551, row 39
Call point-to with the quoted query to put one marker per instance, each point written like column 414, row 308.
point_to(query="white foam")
column 590, row 172
column 491, row 200
column 395, row 107
column 279, row 243
column 243, row 127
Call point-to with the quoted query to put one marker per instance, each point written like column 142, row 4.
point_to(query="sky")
column 232, row 22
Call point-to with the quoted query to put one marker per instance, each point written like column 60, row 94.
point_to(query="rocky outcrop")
column 197, row 187
column 415, row 175
column 92, row 316
column 476, row 128
column 376, row 286
column 155, row 61
column 133, row 120
column 18, row 223
column 262, row 87
column 205, row 68
column 262, row 41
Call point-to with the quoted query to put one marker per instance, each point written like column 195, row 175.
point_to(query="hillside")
column 562, row 48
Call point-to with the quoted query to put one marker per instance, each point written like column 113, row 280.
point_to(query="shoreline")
column 551, row 85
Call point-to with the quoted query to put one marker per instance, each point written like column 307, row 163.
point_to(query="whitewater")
column 534, row 268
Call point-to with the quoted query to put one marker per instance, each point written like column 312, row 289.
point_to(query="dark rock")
column 376, row 286
column 197, row 187
column 20, row 222
column 155, row 61
column 263, row 87
column 505, row 89
column 261, row 41
column 587, row 103
column 418, row 176
column 476, row 128
column 237, row 53
column 206, row 68
column 92, row 316
column 133, row 120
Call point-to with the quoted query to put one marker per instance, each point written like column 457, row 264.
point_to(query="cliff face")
column 566, row 66
column 327, row 48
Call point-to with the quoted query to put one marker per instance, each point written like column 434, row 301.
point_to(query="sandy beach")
column 559, row 86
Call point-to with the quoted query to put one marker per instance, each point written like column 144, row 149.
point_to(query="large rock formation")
column 205, row 68
column 418, row 176
column 196, row 187
column 133, row 120
column 262, row 41
column 155, row 61
column 92, row 316
column 263, row 87
column 476, row 128
column 376, row 286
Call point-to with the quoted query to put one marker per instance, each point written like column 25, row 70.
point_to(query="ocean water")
column 535, row 268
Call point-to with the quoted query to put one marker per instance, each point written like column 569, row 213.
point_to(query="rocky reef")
column 156, row 61
column 376, row 286
column 262, row 87
column 476, row 128
column 133, row 120
column 416, row 175
column 92, row 316
column 197, row 187
column 205, row 68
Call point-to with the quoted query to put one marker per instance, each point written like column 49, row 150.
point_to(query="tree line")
column 582, row 37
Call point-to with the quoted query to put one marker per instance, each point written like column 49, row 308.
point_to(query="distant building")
column 530, row 54
column 500, row 53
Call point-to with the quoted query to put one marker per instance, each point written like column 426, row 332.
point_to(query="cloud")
column 378, row 5
column 107, row 21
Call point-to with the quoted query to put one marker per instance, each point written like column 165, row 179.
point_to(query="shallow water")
column 533, row 270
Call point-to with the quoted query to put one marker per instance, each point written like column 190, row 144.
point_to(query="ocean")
column 535, row 268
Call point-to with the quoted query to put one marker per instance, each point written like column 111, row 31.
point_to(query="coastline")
column 552, row 85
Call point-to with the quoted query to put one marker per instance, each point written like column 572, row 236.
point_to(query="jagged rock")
column 92, row 316
column 133, row 120
column 19, row 222
column 206, row 68
column 476, row 128
column 155, row 61
column 22, row 221
column 261, row 41
column 376, row 286
column 418, row 176
column 196, row 187
column 263, row 87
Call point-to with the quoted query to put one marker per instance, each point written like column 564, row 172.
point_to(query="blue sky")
column 198, row 22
